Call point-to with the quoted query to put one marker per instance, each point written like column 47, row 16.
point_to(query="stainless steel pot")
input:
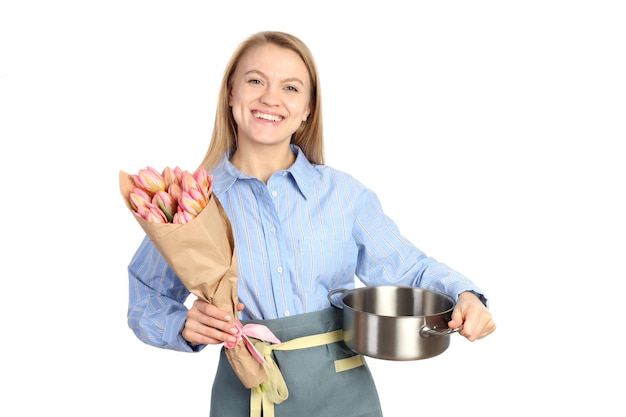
column 395, row 322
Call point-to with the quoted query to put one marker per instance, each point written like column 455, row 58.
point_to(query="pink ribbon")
column 258, row 331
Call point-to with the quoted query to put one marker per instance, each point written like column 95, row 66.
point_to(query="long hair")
column 309, row 136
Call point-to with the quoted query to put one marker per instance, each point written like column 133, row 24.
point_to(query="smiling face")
column 269, row 95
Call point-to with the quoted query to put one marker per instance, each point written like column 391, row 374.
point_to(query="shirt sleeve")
column 388, row 258
column 156, row 309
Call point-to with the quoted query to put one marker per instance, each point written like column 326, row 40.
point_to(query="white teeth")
column 267, row 117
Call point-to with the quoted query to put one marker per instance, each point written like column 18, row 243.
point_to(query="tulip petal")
column 199, row 197
column 174, row 190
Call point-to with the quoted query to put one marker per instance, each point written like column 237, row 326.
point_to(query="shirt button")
column 279, row 269
column 274, row 193
column 287, row 313
column 273, row 229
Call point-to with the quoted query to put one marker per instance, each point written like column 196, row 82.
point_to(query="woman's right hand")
column 208, row 325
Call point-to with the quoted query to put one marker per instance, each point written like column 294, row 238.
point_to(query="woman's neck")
column 262, row 161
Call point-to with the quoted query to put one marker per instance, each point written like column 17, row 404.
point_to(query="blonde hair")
column 309, row 136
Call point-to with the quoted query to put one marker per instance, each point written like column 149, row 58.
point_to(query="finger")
column 211, row 310
column 201, row 333
column 478, row 327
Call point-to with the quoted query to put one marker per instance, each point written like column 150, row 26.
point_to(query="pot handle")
column 427, row 331
column 333, row 292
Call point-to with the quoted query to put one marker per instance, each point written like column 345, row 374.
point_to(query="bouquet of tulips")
column 187, row 224
column 173, row 196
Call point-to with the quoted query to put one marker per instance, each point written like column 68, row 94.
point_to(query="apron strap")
column 276, row 391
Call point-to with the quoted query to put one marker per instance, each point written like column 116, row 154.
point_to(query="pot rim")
column 346, row 292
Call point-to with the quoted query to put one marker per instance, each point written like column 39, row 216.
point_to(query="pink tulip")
column 174, row 190
column 138, row 197
column 166, row 203
column 199, row 196
column 204, row 181
column 189, row 204
column 150, row 180
column 152, row 214
column 182, row 216
column 188, row 181
column 172, row 176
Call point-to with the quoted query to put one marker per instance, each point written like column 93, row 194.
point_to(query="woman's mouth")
column 269, row 117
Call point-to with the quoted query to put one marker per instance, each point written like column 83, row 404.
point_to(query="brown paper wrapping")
column 202, row 253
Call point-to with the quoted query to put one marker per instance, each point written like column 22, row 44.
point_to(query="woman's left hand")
column 473, row 315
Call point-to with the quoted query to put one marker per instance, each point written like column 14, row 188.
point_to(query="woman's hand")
column 208, row 325
column 473, row 315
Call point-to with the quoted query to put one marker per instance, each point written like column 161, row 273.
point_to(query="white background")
column 492, row 131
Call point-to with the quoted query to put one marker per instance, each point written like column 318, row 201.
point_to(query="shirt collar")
column 302, row 171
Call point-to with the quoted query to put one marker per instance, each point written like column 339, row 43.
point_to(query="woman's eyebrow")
column 286, row 80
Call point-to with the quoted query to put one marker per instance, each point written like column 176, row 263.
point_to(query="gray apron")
column 318, row 384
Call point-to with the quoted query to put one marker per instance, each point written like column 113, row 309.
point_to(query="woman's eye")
column 254, row 81
column 292, row 88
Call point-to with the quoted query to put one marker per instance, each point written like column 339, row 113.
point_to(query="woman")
column 301, row 229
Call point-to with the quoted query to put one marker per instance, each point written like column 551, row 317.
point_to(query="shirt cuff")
column 174, row 330
column 464, row 286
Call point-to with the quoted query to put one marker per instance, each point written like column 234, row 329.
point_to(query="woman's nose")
column 270, row 96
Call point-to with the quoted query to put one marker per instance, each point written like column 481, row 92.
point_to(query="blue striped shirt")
column 309, row 230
